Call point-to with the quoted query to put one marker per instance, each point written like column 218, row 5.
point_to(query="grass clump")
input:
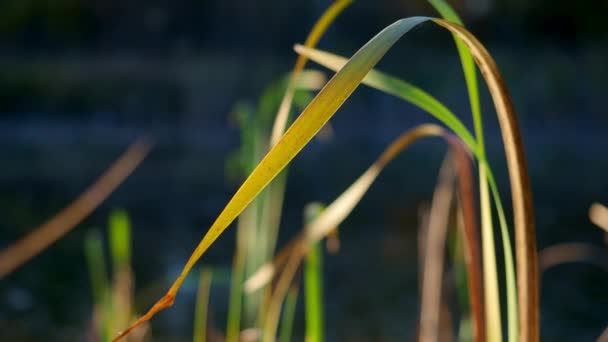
column 322, row 107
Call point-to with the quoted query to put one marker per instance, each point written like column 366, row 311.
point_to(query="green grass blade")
column 314, row 294
column 512, row 306
column 468, row 67
column 120, row 239
column 202, row 306
column 313, row 283
column 289, row 313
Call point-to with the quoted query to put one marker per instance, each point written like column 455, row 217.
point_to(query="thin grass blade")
column 313, row 282
column 42, row 237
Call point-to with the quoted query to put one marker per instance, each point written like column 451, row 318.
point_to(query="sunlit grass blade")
column 313, row 282
column 329, row 100
column 313, row 38
column 289, row 313
column 42, row 237
column 202, row 306
column 434, row 254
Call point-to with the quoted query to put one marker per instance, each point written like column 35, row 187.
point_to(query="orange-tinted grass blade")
column 52, row 230
column 313, row 38
column 472, row 253
column 521, row 192
column 166, row 301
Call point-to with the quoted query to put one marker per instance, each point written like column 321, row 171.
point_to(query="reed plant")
column 263, row 281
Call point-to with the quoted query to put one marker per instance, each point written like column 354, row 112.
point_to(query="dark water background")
column 73, row 96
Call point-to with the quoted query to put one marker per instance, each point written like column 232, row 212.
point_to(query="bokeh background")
column 80, row 80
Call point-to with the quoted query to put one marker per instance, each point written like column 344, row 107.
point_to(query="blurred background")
column 80, row 80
